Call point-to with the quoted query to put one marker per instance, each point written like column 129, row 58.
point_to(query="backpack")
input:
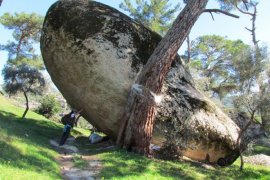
column 65, row 119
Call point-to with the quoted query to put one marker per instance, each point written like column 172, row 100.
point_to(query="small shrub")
column 49, row 106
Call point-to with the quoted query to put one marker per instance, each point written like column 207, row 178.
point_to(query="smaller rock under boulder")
column 95, row 138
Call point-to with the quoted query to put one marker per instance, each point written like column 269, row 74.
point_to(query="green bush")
column 49, row 106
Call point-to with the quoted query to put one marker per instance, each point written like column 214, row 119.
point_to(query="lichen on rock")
column 94, row 54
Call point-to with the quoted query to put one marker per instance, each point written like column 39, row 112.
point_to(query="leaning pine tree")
column 22, row 70
column 138, row 118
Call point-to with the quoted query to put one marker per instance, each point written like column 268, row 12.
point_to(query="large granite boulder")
column 94, row 53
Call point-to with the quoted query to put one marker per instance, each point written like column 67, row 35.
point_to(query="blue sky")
column 222, row 25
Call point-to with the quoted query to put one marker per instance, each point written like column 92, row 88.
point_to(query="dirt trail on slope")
column 67, row 155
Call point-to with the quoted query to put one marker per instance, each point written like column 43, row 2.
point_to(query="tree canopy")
column 26, row 31
column 22, row 78
column 214, row 57
column 158, row 15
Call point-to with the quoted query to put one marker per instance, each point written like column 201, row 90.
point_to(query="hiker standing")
column 68, row 120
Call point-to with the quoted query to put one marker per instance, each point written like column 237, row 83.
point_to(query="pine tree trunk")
column 138, row 119
column 27, row 105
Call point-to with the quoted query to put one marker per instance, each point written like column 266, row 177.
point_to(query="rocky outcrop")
column 252, row 133
column 94, row 54
column 192, row 121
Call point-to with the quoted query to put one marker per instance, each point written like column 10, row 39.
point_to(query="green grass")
column 258, row 149
column 24, row 149
column 119, row 164
column 26, row 154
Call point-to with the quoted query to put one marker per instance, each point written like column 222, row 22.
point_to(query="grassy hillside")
column 26, row 154
column 24, row 149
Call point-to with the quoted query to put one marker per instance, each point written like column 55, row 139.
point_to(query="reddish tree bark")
column 136, row 131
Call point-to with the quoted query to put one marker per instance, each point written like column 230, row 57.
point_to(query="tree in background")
column 23, row 78
column 265, row 98
column 259, row 70
column 22, row 70
column 214, row 58
column 26, row 31
column 158, row 15
column 260, row 57
column 249, row 103
column 244, row 69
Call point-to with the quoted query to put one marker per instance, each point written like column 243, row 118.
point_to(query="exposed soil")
column 66, row 157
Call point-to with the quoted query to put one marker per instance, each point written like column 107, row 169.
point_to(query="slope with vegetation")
column 25, row 153
column 24, row 149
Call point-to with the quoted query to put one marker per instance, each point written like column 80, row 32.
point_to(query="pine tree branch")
column 220, row 11
column 212, row 16
column 253, row 19
column 244, row 12
column 245, row 3
column 248, row 29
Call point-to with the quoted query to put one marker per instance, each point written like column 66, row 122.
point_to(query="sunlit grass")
column 26, row 154
column 261, row 150
column 24, row 149
column 123, row 165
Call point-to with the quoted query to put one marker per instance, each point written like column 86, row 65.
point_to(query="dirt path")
column 68, row 154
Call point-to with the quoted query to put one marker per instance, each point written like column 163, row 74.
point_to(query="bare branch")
column 248, row 29
column 253, row 19
column 253, row 25
column 212, row 16
column 245, row 3
column 250, row 109
column 220, row 11
column 244, row 12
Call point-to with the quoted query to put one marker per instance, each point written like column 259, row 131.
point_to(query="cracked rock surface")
column 94, row 54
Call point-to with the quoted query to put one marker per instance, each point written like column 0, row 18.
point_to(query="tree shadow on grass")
column 30, row 132
column 118, row 163
column 217, row 172
column 121, row 164
column 11, row 156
